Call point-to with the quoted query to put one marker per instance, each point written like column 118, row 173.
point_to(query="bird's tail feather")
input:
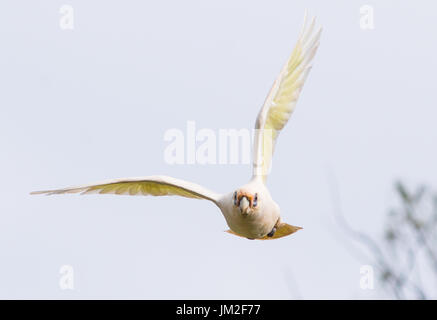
column 282, row 230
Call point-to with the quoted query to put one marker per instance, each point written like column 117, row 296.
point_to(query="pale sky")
column 93, row 103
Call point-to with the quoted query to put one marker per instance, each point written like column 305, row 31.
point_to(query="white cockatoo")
column 250, row 210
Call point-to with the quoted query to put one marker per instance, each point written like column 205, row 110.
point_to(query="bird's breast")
column 255, row 225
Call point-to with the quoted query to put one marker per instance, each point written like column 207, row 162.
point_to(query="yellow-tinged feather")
column 154, row 186
column 283, row 230
column 282, row 99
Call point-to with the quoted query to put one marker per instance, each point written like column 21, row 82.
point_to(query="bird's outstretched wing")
column 282, row 230
column 282, row 98
column 152, row 185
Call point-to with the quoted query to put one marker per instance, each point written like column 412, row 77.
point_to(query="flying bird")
column 249, row 211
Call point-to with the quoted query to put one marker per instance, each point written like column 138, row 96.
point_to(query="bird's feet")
column 271, row 233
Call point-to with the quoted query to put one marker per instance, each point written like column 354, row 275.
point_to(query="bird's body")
column 249, row 211
column 256, row 224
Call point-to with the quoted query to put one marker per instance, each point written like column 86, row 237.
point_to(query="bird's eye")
column 235, row 198
column 255, row 200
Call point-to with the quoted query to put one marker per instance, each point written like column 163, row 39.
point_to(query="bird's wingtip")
column 39, row 192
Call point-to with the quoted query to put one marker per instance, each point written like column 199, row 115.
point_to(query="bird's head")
column 245, row 201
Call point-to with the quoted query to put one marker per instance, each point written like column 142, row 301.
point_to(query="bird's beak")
column 244, row 205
